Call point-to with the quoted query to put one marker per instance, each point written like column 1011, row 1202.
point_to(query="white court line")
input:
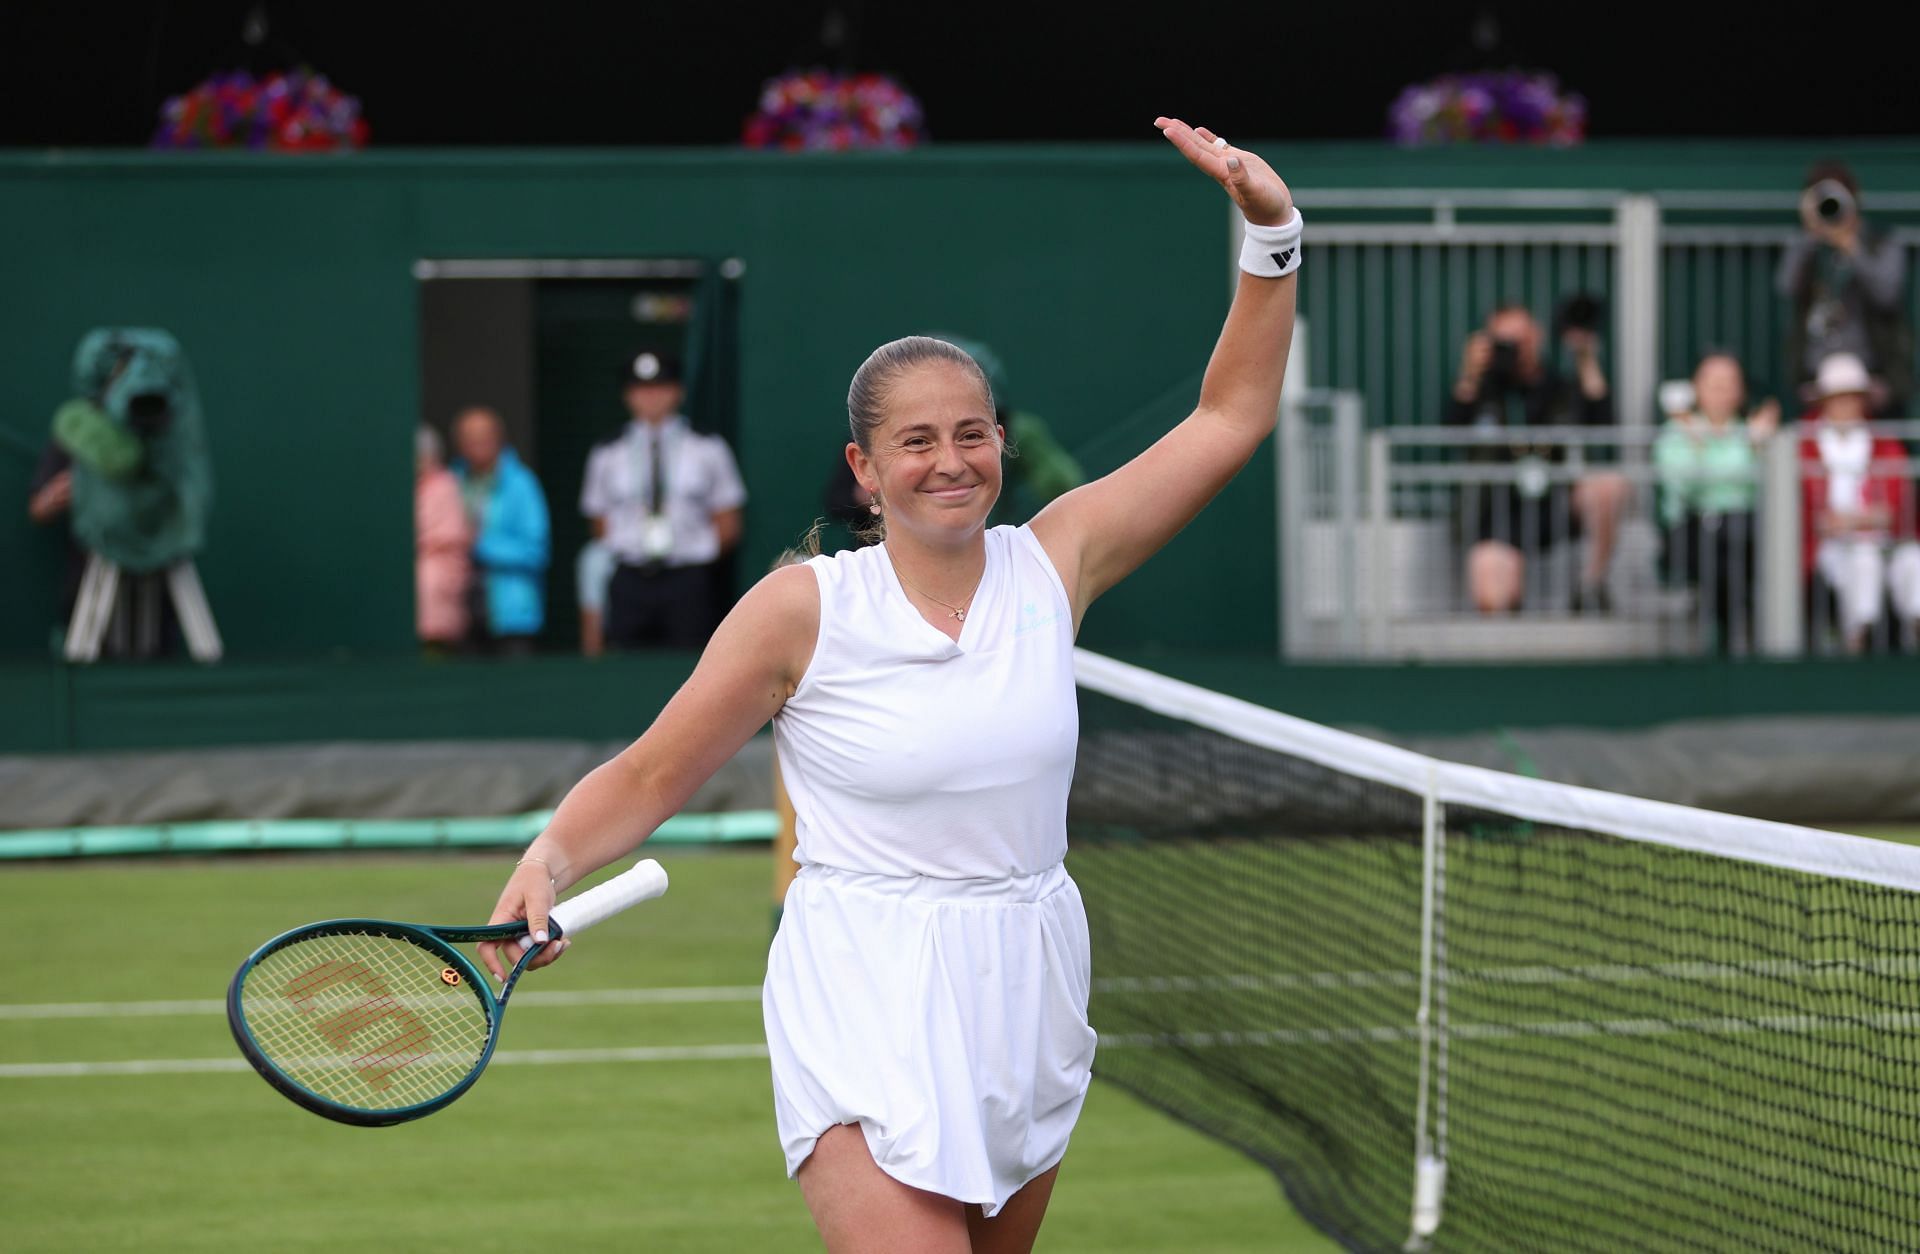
column 1903, row 964
column 1600, row 973
column 108, row 1009
column 1793, row 1025
column 506, row 1057
column 1721, row 1025
column 583, row 997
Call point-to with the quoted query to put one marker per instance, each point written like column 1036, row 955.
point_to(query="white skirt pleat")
column 948, row 1018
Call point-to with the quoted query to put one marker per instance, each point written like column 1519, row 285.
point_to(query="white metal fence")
column 1377, row 525
column 1400, row 278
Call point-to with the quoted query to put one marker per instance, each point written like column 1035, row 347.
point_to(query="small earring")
column 874, row 509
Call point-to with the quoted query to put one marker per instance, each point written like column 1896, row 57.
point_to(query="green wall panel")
column 1099, row 273
column 51, row 708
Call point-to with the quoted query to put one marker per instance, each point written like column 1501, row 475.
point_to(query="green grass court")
column 668, row 1144
column 672, row 1153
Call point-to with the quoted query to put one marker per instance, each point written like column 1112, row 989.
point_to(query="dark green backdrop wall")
column 1100, row 274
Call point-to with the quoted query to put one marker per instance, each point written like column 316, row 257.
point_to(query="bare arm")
column 729, row 523
column 1474, row 359
column 52, row 500
column 1099, row 533
column 747, row 673
column 1586, row 359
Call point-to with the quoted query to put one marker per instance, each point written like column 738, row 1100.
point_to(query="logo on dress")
column 1032, row 619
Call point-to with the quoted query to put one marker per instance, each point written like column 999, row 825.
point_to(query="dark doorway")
column 544, row 341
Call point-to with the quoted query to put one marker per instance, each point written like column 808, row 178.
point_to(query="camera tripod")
column 136, row 629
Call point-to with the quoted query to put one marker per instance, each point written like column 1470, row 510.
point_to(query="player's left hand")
column 1263, row 199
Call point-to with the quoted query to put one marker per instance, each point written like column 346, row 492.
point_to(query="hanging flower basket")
column 1510, row 107
column 292, row 112
column 813, row 110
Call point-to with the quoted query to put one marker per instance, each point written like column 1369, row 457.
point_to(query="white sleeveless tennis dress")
column 929, row 979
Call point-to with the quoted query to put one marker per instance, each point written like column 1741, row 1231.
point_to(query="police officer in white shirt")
column 666, row 501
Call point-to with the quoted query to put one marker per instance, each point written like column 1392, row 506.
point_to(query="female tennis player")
column 926, row 996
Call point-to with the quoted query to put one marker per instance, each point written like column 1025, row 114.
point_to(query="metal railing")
column 1401, row 277
column 1377, row 529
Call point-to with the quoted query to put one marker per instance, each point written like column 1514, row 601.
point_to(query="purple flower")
column 813, row 110
column 1512, row 106
column 291, row 110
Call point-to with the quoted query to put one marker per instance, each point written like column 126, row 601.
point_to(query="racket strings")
column 364, row 1019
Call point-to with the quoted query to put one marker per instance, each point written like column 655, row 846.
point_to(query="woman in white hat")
column 926, row 996
column 1857, row 505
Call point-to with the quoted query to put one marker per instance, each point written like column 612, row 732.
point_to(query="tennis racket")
column 375, row 1023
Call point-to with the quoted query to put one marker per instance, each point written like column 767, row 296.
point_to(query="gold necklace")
column 956, row 611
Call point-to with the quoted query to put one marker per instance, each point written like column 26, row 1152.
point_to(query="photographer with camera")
column 1847, row 281
column 1505, row 386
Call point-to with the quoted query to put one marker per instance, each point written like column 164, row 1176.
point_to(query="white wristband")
column 1272, row 251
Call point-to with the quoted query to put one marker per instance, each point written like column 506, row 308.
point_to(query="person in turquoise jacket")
column 510, row 525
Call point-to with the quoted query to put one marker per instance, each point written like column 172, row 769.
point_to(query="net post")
column 1429, row 1151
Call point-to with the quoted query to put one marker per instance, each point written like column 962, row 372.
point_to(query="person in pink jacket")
column 443, row 541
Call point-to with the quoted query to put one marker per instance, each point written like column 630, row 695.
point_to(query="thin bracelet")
column 551, row 877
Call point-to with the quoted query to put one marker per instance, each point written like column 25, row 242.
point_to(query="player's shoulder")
column 778, row 620
column 795, row 575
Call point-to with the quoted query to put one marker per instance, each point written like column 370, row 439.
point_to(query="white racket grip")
column 644, row 882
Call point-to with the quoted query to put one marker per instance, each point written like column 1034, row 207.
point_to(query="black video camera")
column 1503, row 369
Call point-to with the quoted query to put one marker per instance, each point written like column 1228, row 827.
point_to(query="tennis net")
column 1458, row 1010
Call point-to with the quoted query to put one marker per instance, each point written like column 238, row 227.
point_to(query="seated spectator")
column 1847, row 281
column 442, row 540
column 1857, row 513
column 1709, row 474
column 506, row 604
column 1506, row 385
